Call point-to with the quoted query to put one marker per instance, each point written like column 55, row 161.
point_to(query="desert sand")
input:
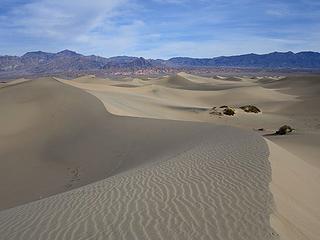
column 55, row 137
column 168, row 169
column 291, row 100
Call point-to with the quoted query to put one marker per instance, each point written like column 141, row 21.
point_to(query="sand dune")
column 56, row 137
column 161, row 179
column 12, row 82
column 215, row 80
column 216, row 189
column 282, row 100
column 191, row 82
column 160, row 100
column 92, row 79
column 291, row 100
column 295, row 188
column 304, row 114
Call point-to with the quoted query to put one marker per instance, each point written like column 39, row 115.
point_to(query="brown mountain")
column 70, row 63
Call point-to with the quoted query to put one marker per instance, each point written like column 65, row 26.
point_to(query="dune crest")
column 217, row 189
column 160, row 179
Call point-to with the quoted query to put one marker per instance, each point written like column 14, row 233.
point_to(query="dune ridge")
column 205, row 181
column 55, row 138
column 290, row 100
column 159, row 99
column 217, row 189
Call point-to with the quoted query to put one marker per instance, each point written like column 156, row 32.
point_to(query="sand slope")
column 163, row 179
column 283, row 100
column 216, row 189
column 291, row 100
column 55, row 137
column 158, row 99
column 295, row 187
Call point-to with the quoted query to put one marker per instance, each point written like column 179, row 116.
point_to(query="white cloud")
column 170, row 1
column 76, row 24
column 62, row 18
column 158, row 28
column 223, row 47
column 124, row 39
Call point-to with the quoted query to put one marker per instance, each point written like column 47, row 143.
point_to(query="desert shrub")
column 250, row 109
column 214, row 111
column 228, row 111
column 284, row 130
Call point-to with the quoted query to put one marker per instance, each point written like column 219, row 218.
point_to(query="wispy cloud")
column 159, row 28
column 62, row 18
column 170, row 1
column 70, row 23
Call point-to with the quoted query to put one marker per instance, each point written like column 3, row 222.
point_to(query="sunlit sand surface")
column 158, row 164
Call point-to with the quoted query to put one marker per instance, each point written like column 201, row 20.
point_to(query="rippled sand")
column 159, row 179
column 217, row 189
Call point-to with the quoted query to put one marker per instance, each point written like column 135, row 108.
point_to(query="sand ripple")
column 217, row 189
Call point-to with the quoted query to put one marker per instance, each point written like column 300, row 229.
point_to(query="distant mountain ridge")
column 66, row 61
column 271, row 60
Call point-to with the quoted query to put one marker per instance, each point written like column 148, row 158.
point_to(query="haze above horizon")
column 159, row 28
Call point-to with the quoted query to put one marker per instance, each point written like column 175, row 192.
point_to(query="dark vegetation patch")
column 285, row 129
column 228, row 111
column 250, row 109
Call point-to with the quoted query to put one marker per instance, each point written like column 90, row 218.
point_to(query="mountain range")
column 72, row 63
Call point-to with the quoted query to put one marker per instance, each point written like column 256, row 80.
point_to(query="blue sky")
column 159, row 28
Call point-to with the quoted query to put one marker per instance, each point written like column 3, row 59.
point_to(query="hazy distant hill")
column 271, row 60
column 40, row 63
